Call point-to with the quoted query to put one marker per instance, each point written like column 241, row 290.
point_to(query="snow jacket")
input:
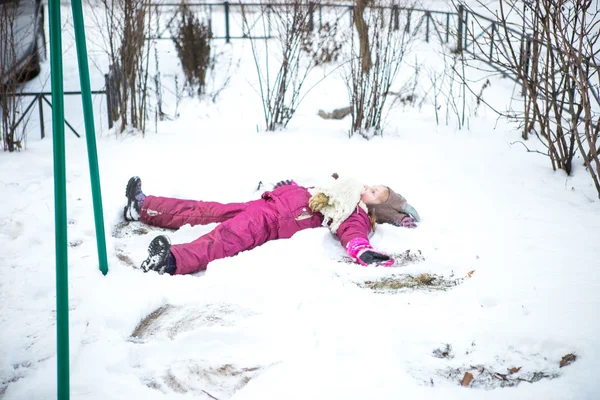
column 295, row 215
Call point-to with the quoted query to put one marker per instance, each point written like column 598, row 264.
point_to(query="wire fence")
column 110, row 92
column 463, row 29
column 230, row 21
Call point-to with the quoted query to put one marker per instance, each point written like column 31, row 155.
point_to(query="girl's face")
column 375, row 194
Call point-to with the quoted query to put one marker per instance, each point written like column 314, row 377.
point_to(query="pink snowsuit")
column 278, row 214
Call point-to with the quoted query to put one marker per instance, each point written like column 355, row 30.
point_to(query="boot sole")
column 130, row 194
column 158, row 245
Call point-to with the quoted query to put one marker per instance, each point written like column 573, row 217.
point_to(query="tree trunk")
column 363, row 35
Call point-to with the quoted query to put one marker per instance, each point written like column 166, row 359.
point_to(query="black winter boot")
column 158, row 255
column 135, row 198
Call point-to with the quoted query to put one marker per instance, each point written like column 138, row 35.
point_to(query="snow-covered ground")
column 291, row 319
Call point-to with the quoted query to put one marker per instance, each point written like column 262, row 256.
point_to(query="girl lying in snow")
column 348, row 208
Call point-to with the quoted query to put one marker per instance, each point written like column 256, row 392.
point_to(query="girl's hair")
column 372, row 219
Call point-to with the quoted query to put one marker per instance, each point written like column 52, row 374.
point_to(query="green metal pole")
column 90, row 132
column 60, row 201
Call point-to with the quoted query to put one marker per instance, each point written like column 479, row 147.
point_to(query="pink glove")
column 361, row 251
column 407, row 222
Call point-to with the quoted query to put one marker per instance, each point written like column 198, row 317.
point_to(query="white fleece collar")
column 344, row 197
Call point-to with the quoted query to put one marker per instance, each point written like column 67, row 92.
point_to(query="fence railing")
column 480, row 36
column 486, row 40
column 40, row 98
column 463, row 29
column 254, row 20
column 110, row 91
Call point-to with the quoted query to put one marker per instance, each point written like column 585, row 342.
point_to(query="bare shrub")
column 282, row 93
column 376, row 54
column 9, row 104
column 124, row 26
column 13, row 123
column 159, row 114
column 453, row 88
column 13, row 135
column 192, row 39
column 437, row 80
column 556, row 63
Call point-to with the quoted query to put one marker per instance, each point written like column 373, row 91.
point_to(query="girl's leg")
column 175, row 213
column 243, row 232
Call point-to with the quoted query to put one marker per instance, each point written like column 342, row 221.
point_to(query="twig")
column 590, row 200
column 529, row 150
column 208, row 394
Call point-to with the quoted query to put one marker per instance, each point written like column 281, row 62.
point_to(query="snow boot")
column 135, row 198
column 158, row 256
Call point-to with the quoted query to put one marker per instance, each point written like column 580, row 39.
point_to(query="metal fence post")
column 41, row 110
column 527, row 58
column 320, row 16
column 311, row 16
column 227, row 36
column 157, row 21
column 447, row 26
column 527, row 54
column 108, row 101
column 466, row 33
column 427, row 16
column 459, row 44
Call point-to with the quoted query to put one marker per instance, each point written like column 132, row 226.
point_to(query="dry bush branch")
column 125, row 24
column 192, row 39
column 14, row 117
column 556, row 65
column 375, row 58
column 281, row 82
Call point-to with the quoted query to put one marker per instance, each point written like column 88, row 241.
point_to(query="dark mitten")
column 288, row 182
column 361, row 251
column 374, row 257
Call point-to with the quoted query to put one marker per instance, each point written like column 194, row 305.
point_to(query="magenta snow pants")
column 243, row 226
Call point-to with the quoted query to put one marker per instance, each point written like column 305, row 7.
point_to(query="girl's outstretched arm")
column 354, row 236
column 356, row 225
